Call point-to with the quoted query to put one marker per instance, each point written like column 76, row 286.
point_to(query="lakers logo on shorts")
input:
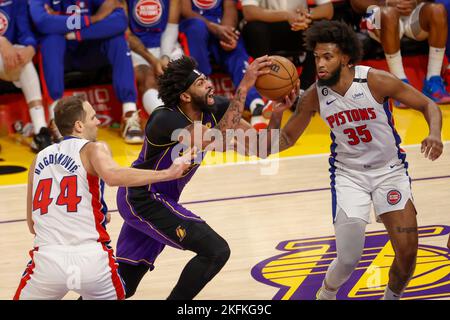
column 181, row 233
column 394, row 197
column 299, row 271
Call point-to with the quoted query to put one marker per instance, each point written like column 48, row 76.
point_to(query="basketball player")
column 209, row 30
column 84, row 39
column 66, row 211
column 417, row 20
column 152, row 36
column 153, row 217
column 367, row 164
column 17, row 48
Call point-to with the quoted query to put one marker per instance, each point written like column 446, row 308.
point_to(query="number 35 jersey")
column 67, row 202
column 362, row 129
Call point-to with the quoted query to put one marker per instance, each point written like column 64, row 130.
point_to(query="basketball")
column 280, row 81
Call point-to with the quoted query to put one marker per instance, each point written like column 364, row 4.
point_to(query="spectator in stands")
column 446, row 3
column 388, row 22
column 210, row 28
column 153, row 39
column 273, row 26
column 82, row 35
column 17, row 49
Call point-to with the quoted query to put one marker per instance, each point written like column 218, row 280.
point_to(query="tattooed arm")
column 216, row 138
column 248, row 139
column 232, row 116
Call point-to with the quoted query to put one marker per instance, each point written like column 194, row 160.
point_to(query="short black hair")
column 68, row 110
column 172, row 83
column 336, row 32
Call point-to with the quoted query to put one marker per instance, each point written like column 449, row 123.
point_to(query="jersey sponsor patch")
column 298, row 272
column 394, row 197
column 148, row 12
column 4, row 22
column 205, row 4
column 358, row 95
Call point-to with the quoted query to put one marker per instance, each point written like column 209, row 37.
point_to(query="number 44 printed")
column 68, row 196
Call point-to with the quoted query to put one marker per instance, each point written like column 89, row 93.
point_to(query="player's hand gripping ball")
column 280, row 81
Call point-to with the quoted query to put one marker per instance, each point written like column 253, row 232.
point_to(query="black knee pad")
column 207, row 243
column 131, row 276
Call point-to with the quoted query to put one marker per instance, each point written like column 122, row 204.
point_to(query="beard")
column 333, row 79
column 201, row 102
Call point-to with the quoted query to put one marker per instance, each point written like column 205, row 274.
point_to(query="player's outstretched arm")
column 307, row 106
column 383, row 85
column 232, row 116
column 253, row 143
column 97, row 159
column 30, row 196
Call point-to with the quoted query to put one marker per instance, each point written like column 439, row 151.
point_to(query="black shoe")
column 41, row 140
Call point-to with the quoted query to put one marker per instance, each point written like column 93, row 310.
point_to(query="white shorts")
column 90, row 270
column 408, row 25
column 139, row 60
column 388, row 188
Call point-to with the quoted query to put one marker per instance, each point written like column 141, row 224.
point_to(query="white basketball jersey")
column 362, row 130
column 67, row 202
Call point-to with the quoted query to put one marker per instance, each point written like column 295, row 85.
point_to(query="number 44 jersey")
column 67, row 202
column 362, row 129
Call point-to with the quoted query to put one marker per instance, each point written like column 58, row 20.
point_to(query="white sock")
column 325, row 294
column 29, row 82
column 435, row 59
column 151, row 101
column 389, row 295
column 51, row 110
column 395, row 64
column 37, row 116
column 128, row 106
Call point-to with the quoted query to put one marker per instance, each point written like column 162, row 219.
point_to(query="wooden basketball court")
column 269, row 221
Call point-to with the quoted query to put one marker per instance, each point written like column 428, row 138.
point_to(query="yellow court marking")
column 410, row 124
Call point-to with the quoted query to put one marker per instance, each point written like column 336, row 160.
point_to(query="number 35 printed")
column 357, row 135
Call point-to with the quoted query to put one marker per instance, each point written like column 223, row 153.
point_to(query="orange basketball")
column 280, row 81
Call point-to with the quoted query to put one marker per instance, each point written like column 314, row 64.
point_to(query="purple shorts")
column 151, row 222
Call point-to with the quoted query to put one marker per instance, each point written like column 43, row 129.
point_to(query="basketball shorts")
column 153, row 221
column 408, row 25
column 89, row 270
column 388, row 188
column 139, row 60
